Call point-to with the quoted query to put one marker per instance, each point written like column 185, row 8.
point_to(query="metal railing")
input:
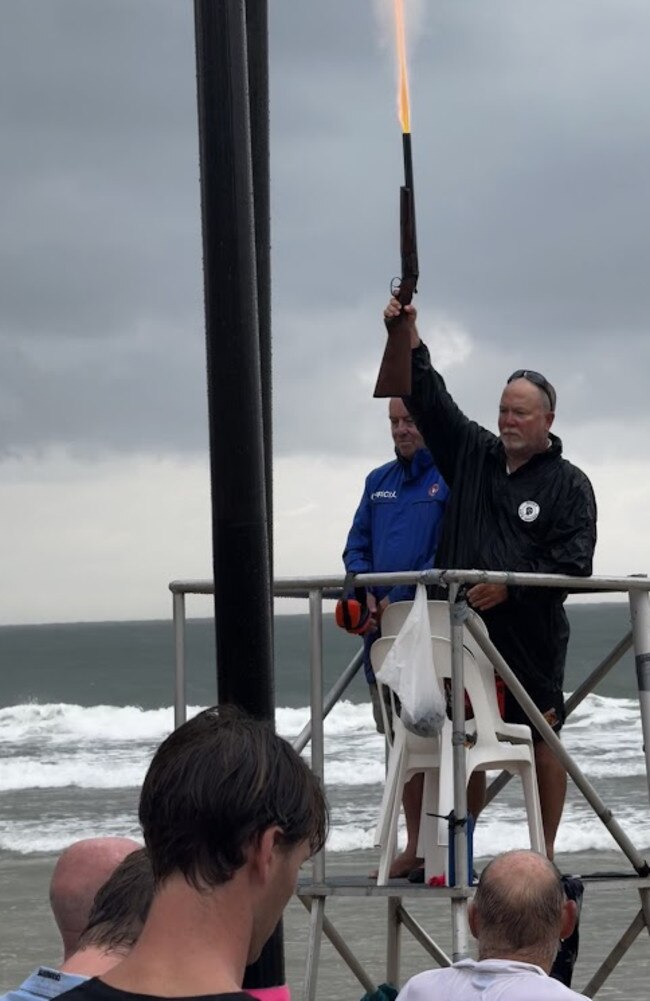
column 315, row 589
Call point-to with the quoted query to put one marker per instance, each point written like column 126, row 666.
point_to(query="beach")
column 85, row 705
column 29, row 936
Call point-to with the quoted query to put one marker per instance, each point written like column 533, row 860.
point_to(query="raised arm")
column 445, row 428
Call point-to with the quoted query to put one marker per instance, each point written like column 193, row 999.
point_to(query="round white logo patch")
column 433, row 489
column 528, row 510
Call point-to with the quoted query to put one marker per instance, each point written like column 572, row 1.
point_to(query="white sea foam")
column 36, row 836
column 600, row 765
column 604, row 737
column 579, row 832
column 596, row 710
column 54, row 746
column 503, row 826
column 290, row 722
column 76, row 770
column 365, row 772
column 60, row 723
column 346, row 718
column 350, row 838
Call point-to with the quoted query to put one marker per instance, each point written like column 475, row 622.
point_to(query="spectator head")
column 526, row 413
column 223, row 791
column 406, row 437
column 520, row 910
column 78, row 874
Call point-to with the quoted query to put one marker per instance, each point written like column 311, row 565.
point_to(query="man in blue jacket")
column 396, row 527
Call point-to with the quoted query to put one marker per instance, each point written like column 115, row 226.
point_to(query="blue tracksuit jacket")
column 397, row 525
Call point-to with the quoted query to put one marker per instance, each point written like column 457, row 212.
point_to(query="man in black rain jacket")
column 515, row 504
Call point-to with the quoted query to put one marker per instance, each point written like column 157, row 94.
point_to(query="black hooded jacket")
column 539, row 519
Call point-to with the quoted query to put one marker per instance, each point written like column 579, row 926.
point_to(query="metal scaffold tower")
column 325, row 884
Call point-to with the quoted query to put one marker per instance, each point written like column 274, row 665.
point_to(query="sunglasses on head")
column 537, row 379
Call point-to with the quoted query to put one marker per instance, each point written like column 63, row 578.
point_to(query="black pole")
column 268, row 970
column 235, row 215
column 257, row 34
column 243, row 608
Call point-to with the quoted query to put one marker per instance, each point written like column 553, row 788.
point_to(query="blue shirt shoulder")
column 45, row 982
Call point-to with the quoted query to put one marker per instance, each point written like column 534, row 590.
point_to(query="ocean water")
column 83, row 707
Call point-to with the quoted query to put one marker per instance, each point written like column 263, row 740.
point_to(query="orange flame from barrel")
column 403, row 106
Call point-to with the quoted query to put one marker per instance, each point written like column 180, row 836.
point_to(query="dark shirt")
column 539, row 519
column 97, row 990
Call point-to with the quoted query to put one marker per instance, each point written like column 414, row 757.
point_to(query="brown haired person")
column 117, row 917
column 515, row 504
column 229, row 812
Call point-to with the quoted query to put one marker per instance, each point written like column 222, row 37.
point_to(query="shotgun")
column 394, row 377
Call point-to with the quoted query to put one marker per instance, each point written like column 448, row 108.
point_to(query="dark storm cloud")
column 532, row 175
column 99, row 166
column 532, row 166
column 101, row 342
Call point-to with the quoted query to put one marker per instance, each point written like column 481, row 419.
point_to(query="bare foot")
column 401, row 866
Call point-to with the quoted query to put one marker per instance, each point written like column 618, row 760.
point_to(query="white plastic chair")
column 492, row 744
column 394, row 616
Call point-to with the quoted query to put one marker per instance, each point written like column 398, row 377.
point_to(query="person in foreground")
column 229, row 813
column 396, row 527
column 515, row 504
column 116, row 918
column 518, row 915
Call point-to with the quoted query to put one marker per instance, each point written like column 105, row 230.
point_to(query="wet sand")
column 28, row 935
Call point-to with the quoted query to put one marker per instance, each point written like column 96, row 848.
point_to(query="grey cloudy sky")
column 532, row 173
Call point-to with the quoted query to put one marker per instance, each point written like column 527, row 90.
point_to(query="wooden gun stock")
column 394, row 377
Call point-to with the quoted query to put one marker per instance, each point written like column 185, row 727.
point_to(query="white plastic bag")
column 409, row 671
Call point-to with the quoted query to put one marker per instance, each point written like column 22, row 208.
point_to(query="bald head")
column 520, row 910
column 78, row 874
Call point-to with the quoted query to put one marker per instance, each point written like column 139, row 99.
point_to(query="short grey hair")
column 519, row 914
